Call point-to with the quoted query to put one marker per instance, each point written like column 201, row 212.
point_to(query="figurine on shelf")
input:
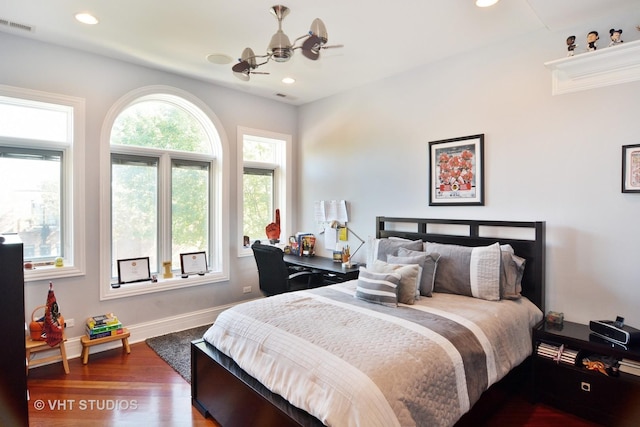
column 273, row 229
column 592, row 39
column 615, row 37
column 571, row 45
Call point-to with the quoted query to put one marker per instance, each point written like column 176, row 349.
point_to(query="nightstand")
column 609, row 400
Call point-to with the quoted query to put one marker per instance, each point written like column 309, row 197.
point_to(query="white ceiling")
column 379, row 39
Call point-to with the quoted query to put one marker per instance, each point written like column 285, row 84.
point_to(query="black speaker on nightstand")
column 615, row 331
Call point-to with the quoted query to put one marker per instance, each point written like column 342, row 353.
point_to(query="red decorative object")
column 273, row 229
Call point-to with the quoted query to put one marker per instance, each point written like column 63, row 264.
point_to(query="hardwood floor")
column 116, row 389
column 113, row 389
column 508, row 404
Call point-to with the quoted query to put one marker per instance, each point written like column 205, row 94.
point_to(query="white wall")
column 102, row 81
column 550, row 158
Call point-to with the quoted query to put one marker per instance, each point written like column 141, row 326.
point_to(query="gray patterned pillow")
column 427, row 261
column 379, row 288
column 381, row 248
column 471, row 271
column 511, row 273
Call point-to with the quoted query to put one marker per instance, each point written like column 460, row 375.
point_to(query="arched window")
column 165, row 192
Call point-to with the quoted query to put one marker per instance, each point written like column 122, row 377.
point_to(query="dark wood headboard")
column 526, row 238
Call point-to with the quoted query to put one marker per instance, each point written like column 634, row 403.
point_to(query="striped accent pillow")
column 379, row 288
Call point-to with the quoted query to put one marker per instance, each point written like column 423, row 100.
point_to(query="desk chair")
column 274, row 275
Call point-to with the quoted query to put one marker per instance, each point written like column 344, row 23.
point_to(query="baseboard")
column 142, row 331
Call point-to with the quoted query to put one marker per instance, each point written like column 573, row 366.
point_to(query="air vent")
column 281, row 95
column 16, row 25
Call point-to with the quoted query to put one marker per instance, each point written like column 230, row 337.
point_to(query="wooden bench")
column 88, row 343
column 32, row 346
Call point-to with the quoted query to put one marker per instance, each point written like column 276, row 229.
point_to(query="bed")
column 345, row 355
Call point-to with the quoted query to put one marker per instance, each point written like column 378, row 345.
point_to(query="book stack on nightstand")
column 558, row 353
column 630, row 366
column 104, row 325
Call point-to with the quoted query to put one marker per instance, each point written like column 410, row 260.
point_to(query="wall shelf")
column 604, row 67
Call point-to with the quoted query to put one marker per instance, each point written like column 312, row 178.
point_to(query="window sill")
column 245, row 251
column 107, row 292
column 51, row 273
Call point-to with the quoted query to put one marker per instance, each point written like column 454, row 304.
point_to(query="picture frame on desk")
column 456, row 171
column 631, row 168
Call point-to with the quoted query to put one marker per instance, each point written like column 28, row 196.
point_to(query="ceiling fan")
column 280, row 49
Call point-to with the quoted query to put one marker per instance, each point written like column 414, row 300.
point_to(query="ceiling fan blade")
column 241, row 67
column 242, row 76
column 311, row 47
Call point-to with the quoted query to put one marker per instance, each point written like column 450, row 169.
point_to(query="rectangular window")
column 42, row 179
column 189, row 208
column 258, row 201
column 34, row 120
column 31, row 205
column 265, row 173
column 134, row 209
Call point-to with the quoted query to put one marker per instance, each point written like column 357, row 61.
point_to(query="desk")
column 332, row 271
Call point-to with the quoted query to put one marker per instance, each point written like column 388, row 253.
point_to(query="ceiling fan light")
column 318, row 29
column 280, row 47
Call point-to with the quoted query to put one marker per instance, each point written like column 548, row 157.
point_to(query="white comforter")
column 352, row 363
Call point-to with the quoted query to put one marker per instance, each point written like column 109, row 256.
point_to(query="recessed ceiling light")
column 219, row 58
column 486, row 3
column 288, row 80
column 86, row 18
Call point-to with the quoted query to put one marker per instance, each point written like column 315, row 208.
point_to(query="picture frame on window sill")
column 133, row 270
column 193, row 263
column 456, row 171
column 631, row 168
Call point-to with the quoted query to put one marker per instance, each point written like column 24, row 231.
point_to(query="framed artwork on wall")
column 631, row 168
column 456, row 171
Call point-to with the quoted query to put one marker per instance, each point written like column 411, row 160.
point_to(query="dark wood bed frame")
column 223, row 391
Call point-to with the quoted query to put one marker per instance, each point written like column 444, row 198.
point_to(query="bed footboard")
column 224, row 392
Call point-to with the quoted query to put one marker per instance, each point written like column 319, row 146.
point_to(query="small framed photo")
column 133, row 270
column 456, row 171
column 193, row 263
column 631, row 168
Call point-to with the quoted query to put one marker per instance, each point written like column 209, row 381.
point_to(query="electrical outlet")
column 69, row 323
column 246, row 290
